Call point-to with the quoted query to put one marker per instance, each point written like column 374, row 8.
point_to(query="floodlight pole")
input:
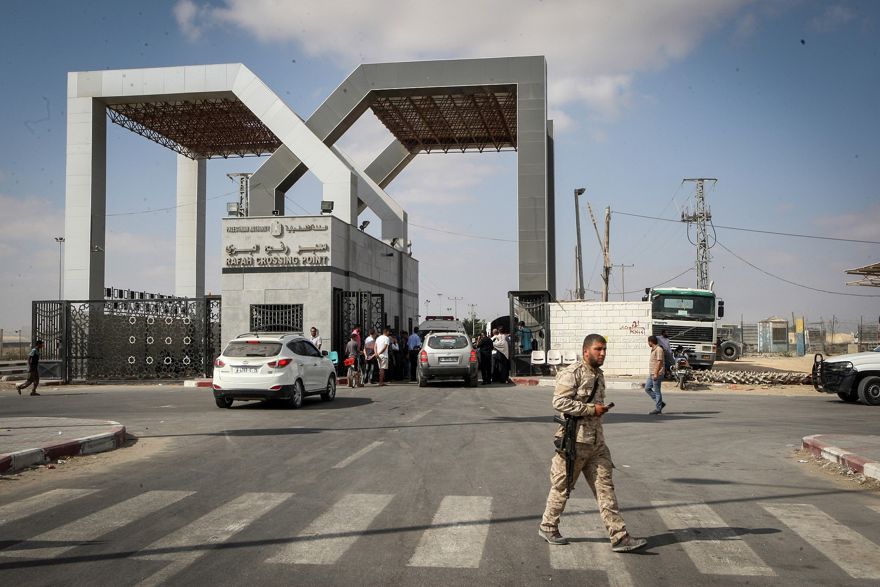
column 579, row 286
column 60, row 241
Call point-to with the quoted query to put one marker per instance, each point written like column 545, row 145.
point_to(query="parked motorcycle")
column 681, row 369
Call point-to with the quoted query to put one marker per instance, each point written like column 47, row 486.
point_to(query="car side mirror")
column 325, row 353
column 721, row 308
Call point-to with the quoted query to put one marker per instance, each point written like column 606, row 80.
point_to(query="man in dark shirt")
column 33, row 369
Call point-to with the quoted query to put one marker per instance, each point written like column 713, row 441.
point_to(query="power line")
column 673, row 278
column 753, row 266
column 813, row 236
column 474, row 236
column 153, row 210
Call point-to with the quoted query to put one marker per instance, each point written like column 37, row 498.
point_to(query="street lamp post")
column 579, row 288
column 439, row 303
column 19, row 344
column 60, row 241
column 427, row 303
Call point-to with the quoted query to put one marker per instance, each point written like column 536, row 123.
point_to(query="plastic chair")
column 569, row 357
column 334, row 358
column 554, row 357
column 538, row 358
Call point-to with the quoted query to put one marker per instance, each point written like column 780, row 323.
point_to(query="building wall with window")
column 280, row 273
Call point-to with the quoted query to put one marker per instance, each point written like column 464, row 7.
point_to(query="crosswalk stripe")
column 849, row 550
column 357, row 455
column 184, row 546
column 342, row 525
column 457, row 535
column 714, row 548
column 95, row 525
column 590, row 547
column 39, row 503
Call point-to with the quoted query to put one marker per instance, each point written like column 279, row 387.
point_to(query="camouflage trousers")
column 595, row 464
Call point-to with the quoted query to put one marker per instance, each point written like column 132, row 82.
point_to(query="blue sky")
column 776, row 99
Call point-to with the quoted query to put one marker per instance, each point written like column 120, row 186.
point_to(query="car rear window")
column 244, row 348
column 448, row 341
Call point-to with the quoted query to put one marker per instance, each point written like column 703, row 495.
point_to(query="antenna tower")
column 700, row 217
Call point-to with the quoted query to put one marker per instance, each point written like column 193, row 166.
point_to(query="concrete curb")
column 22, row 459
column 857, row 463
column 197, row 383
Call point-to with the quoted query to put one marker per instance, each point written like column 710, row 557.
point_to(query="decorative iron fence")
column 130, row 340
column 356, row 307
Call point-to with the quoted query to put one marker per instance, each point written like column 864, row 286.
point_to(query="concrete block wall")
column 626, row 326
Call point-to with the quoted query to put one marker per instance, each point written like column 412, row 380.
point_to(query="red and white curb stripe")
column 859, row 464
column 22, row 459
column 197, row 383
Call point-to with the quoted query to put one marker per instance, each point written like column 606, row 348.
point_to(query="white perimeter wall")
column 626, row 326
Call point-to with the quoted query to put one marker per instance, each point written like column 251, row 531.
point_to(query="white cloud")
column 833, row 18
column 593, row 47
column 860, row 224
column 188, row 15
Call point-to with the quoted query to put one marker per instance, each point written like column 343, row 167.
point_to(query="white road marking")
column 458, row 535
column 416, row 417
column 849, row 550
column 342, row 525
column 94, row 526
column 39, row 503
column 590, row 548
column 876, row 508
column 187, row 544
column 713, row 547
column 357, row 455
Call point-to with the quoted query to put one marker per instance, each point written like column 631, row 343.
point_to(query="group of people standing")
column 493, row 354
column 383, row 356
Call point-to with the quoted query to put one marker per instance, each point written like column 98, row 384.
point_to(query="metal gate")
column 130, row 340
column 356, row 307
column 533, row 308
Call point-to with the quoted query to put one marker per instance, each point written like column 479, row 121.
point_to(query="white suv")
column 271, row 365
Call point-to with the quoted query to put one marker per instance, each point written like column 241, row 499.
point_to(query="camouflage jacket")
column 574, row 384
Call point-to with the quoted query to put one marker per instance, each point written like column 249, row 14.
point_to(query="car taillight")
column 279, row 363
column 217, row 386
column 473, row 356
column 219, row 363
column 423, row 357
column 275, row 388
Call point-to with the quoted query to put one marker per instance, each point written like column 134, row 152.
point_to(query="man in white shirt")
column 383, row 343
column 316, row 340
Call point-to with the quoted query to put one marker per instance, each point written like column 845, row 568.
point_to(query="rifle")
column 567, row 446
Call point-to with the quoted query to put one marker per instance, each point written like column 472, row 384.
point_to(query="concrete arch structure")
column 179, row 107
column 531, row 136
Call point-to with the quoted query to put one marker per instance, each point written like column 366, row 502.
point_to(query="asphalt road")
column 437, row 486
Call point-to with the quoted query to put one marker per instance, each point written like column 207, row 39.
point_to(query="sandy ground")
column 767, row 363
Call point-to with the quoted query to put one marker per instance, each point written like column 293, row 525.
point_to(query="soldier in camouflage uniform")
column 574, row 385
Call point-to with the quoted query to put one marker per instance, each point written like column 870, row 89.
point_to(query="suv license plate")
column 245, row 369
column 449, row 359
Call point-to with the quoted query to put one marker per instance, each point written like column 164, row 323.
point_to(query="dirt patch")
column 831, row 469
column 86, row 465
column 767, row 363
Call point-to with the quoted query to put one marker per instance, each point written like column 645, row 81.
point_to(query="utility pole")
column 473, row 315
column 622, row 280
column 427, row 302
column 578, row 251
column 700, row 217
column 455, row 301
column 606, row 252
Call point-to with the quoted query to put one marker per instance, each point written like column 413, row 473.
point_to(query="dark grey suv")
column 447, row 355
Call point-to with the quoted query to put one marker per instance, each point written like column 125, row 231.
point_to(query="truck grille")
column 690, row 333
